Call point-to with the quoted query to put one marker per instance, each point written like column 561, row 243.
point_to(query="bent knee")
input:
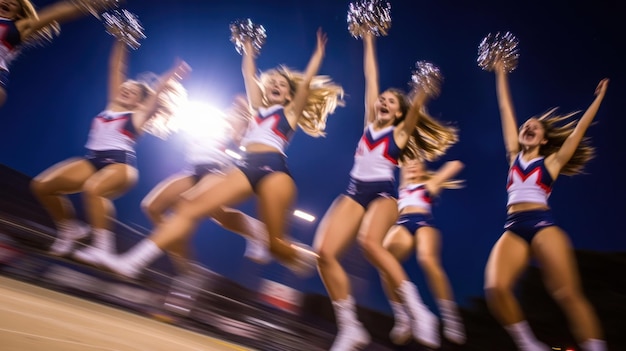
column 38, row 187
column 370, row 246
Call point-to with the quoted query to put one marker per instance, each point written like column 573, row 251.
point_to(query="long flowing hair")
column 557, row 129
column 430, row 138
column 324, row 97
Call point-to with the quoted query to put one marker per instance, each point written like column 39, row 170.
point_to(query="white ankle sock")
column 524, row 337
column 142, row 254
column 104, row 240
column 453, row 327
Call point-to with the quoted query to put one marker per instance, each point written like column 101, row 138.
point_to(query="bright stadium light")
column 301, row 214
column 200, row 120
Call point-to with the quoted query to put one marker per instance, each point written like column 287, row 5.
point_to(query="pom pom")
column 244, row 30
column 498, row 47
column 95, row 7
column 373, row 16
column 427, row 77
column 125, row 26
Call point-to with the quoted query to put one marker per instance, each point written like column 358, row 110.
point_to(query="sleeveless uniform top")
column 415, row 195
column 269, row 127
column 112, row 131
column 529, row 181
column 376, row 156
column 9, row 40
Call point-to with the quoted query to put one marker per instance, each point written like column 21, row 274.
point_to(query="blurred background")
column 565, row 50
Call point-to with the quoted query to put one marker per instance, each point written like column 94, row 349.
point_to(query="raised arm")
column 248, row 69
column 568, row 148
column 448, row 171
column 302, row 91
column 118, row 65
column 418, row 104
column 150, row 106
column 58, row 12
column 507, row 114
column 370, row 70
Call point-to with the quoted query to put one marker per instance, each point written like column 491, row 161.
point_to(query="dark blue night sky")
column 565, row 51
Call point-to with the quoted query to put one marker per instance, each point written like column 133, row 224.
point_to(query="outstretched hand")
column 602, row 86
column 322, row 39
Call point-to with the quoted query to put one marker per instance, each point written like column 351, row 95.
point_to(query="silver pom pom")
column 498, row 47
column 95, row 7
column 373, row 16
column 125, row 26
column 427, row 77
column 244, row 30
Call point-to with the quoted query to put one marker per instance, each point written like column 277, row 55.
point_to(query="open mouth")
column 4, row 8
column 275, row 92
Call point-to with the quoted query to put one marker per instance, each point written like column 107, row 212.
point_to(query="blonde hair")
column 324, row 97
column 557, row 129
column 430, row 139
column 42, row 35
column 169, row 102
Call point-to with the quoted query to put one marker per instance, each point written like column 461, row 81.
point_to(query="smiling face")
column 532, row 134
column 130, row 95
column 388, row 108
column 277, row 89
column 10, row 9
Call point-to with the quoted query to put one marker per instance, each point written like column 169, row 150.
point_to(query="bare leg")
column 380, row 216
column 50, row 188
column 200, row 202
column 66, row 177
column 337, row 230
column 276, row 194
column 253, row 230
column 554, row 251
column 197, row 203
column 428, row 256
column 400, row 243
column 159, row 202
column 164, row 195
column 508, row 259
column 105, row 185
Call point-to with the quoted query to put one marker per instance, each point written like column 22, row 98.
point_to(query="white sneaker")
column 352, row 337
column 67, row 236
column 454, row 330
column 117, row 265
column 401, row 334
column 426, row 328
column 257, row 251
column 305, row 263
column 89, row 255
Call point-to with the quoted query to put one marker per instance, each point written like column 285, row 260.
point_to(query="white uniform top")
column 112, row 131
column 415, row 195
column 529, row 181
column 376, row 156
column 269, row 127
column 205, row 150
column 9, row 40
